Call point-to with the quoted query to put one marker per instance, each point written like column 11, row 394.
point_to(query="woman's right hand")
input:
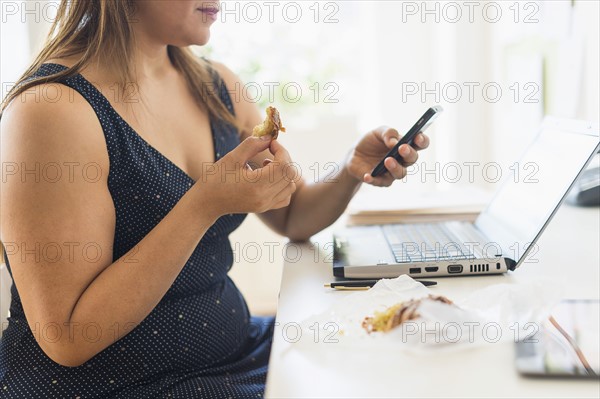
column 234, row 187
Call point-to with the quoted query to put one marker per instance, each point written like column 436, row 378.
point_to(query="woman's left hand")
column 374, row 146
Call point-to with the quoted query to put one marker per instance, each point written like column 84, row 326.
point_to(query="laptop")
column 503, row 236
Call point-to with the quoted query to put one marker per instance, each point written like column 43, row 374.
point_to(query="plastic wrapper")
column 486, row 316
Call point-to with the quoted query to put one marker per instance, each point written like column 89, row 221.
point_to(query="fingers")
column 390, row 136
column 285, row 194
column 409, row 155
column 279, row 152
column 281, row 199
column 284, row 188
column 276, row 179
column 396, row 170
column 387, row 135
column 421, row 141
column 284, row 198
column 289, row 171
column 282, row 164
column 385, row 180
column 251, row 147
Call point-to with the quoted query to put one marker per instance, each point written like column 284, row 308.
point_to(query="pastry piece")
column 397, row 314
column 271, row 124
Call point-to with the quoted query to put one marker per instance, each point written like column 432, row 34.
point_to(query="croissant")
column 271, row 125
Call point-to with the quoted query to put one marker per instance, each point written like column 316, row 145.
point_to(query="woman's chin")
column 196, row 39
column 201, row 38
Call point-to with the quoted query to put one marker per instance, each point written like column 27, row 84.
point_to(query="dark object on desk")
column 587, row 189
column 565, row 346
column 365, row 284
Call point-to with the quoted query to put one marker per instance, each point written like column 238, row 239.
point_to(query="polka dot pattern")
column 200, row 341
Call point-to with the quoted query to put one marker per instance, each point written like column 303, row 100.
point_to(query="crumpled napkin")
column 486, row 316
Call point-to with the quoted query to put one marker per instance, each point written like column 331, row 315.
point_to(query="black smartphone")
column 421, row 125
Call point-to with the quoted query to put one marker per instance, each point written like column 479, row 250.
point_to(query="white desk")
column 569, row 252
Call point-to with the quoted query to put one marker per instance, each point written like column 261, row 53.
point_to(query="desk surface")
column 568, row 252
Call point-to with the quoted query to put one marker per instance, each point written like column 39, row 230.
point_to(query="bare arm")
column 47, row 222
column 315, row 206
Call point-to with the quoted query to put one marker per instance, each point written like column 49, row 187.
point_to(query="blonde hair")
column 102, row 27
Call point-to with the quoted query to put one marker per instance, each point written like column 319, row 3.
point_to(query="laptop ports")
column 414, row 270
column 454, row 269
column 431, row 269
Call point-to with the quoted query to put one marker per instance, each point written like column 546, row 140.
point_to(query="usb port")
column 453, row 269
column 431, row 269
column 414, row 270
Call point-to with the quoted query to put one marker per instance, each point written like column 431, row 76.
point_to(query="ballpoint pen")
column 365, row 284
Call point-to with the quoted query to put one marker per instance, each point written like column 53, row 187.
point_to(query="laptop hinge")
column 510, row 264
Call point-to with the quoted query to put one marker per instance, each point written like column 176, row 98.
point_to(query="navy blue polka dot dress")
column 199, row 341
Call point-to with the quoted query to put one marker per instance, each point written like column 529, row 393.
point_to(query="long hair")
column 102, row 28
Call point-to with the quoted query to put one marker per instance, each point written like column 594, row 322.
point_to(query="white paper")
column 486, row 316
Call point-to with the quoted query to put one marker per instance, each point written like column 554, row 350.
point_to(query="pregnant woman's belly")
column 194, row 331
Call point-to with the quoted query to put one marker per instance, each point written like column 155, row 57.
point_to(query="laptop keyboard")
column 425, row 242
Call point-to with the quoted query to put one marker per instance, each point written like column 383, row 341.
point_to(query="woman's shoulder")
column 91, row 71
column 246, row 111
column 51, row 116
column 228, row 76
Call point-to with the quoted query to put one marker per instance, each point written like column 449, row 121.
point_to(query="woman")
column 119, row 252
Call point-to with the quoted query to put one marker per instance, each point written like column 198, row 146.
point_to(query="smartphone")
column 421, row 125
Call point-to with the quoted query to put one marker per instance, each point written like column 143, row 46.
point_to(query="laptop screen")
column 527, row 199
